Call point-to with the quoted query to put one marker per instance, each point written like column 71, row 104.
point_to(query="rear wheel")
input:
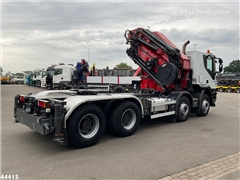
column 68, row 87
column 107, row 109
column 238, row 90
column 119, row 89
column 183, row 109
column 204, row 106
column 86, row 126
column 125, row 119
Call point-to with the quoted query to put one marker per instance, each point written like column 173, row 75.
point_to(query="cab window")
column 209, row 64
column 58, row 71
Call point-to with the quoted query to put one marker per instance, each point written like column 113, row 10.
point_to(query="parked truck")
column 5, row 79
column 228, row 82
column 108, row 80
column 49, row 76
column 173, row 84
column 17, row 80
column 41, row 77
column 38, row 77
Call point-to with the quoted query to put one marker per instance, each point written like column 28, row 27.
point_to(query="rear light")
column 22, row 98
column 44, row 104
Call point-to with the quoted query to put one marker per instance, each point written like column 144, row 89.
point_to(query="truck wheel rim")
column 128, row 119
column 184, row 109
column 205, row 106
column 88, row 126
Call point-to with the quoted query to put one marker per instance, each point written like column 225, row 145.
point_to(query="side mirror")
column 220, row 67
column 220, row 64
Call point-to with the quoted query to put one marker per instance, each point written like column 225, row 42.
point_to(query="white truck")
column 17, row 80
column 173, row 84
column 39, row 79
column 65, row 78
column 43, row 77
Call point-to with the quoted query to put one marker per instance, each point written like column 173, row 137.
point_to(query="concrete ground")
column 157, row 150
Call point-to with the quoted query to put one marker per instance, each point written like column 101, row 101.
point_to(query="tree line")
column 233, row 67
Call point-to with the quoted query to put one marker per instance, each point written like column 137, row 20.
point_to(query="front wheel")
column 86, row 126
column 183, row 109
column 204, row 106
column 125, row 119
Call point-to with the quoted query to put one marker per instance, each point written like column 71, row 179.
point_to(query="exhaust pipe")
column 184, row 46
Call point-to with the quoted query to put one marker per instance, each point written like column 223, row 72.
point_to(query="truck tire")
column 82, row 87
column 107, row 109
column 229, row 90
column 119, row 89
column 68, row 87
column 183, row 109
column 61, row 86
column 225, row 83
column 125, row 119
column 220, row 83
column 204, row 106
column 233, row 83
column 86, row 126
column 238, row 90
column 221, row 89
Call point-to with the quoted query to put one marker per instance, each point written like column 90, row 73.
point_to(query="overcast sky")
column 38, row 34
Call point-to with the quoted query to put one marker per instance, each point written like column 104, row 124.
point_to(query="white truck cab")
column 38, row 78
column 203, row 75
column 62, row 73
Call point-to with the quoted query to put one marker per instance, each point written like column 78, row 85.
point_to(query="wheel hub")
column 205, row 106
column 128, row 119
column 88, row 126
column 184, row 109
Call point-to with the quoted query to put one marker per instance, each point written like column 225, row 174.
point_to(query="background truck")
column 49, row 76
column 41, row 77
column 5, row 79
column 38, row 77
column 17, row 80
column 173, row 84
column 108, row 80
column 229, row 82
